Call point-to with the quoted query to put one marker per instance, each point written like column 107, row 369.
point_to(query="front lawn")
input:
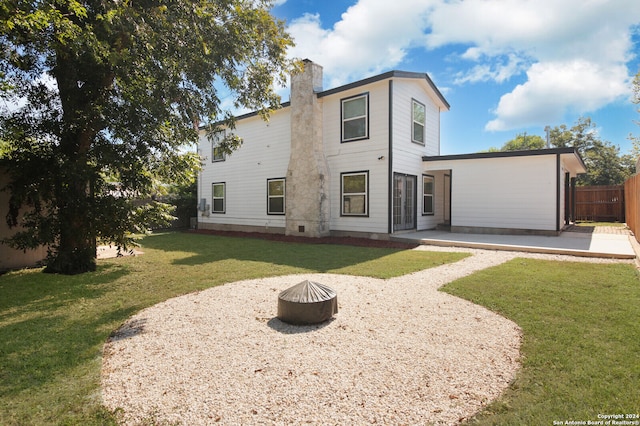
column 52, row 328
column 581, row 345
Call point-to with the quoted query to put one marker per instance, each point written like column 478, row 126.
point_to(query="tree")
column 523, row 142
column 110, row 91
column 604, row 164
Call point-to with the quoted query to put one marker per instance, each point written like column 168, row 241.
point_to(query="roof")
column 386, row 76
column 569, row 154
column 374, row 79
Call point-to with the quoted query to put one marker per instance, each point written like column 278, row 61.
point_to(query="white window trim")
column 365, row 193
column 215, row 143
column 414, row 122
column 431, row 195
column 283, row 196
column 223, row 198
column 365, row 96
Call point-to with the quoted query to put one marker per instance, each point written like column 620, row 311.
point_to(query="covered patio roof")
column 569, row 156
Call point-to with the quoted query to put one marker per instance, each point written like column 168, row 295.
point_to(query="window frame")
column 365, row 173
column 414, row 103
column 215, row 143
column 431, row 195
column 223, row 198
column 364, row 96
column 283, row 196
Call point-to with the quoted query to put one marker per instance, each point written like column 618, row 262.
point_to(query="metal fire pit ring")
column 307, row 302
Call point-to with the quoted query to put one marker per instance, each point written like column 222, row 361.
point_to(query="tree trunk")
column 81, row 94
column 76, row 249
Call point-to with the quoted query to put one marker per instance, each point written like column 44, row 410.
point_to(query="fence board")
column 600, row 203
column 632, row 204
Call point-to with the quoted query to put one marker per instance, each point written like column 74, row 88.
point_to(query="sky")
column 506, row 67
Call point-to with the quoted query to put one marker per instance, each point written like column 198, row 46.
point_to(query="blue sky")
column 506, row 67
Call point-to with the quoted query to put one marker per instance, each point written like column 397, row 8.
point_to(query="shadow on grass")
column 49, row 325
column 212, row 248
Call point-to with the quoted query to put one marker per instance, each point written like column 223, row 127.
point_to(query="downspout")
column 390, row 162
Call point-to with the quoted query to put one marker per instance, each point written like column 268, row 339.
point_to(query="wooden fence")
column 600, row 203
column 632, row 204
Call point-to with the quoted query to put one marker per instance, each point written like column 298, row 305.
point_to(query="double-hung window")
column 354, row 189
column 275, row 196
column 218, row 198
column 418, row 122
column 427, row 194
column 355, row 118
column 217, row 153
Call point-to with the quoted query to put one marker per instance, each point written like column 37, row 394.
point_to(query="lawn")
column 581, row 345
column 581, row 322
column 52, row 328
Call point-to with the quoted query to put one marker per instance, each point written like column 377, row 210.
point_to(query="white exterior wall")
column 263, row 155
column 407, row 155
column 357, row 156
column 266, row 152
column 561, row 180
column 431, row 221
column 508, row 192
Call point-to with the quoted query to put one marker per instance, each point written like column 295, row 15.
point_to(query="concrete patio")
column 616, row 243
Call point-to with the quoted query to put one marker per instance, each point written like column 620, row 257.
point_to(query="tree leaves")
column 111, row 91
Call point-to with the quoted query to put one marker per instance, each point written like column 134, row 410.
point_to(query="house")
column 364, row 160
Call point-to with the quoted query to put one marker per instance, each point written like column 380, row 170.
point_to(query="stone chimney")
column 307, row 199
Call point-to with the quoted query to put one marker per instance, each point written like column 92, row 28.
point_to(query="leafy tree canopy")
column 105, row 92
column 605, row 165
column 522, row 142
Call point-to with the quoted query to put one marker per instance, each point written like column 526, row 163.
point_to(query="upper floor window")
column 355, row 118
column 418, row 120
column 217, row 153
column 355, row 199
column 275, row 196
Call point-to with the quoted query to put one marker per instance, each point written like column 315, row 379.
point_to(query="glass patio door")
column 404, row 202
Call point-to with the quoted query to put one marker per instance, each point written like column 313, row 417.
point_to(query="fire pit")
column 307, row 302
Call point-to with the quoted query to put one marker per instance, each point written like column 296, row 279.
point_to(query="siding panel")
column 263, row 155
column 512, row 192
column 359, row 156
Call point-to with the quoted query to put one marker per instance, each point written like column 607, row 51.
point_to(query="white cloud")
column 502, row 69
column 555, row 88
column 372, row 35
column 573, row 53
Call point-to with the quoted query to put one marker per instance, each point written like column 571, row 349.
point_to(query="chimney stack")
column 307, row 185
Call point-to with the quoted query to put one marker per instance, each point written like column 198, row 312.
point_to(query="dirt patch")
column 349, row 241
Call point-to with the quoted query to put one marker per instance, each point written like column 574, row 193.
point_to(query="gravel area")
column 397, row 352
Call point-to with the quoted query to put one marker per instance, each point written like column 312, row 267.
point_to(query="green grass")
column 52, row 328
column 612, row 224
column 581, row 344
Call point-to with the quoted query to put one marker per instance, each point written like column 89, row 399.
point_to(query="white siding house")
column 364, row 160
column 510, row 192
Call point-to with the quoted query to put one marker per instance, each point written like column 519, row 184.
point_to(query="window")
column 427, row 194
column 355, row 123
column 216, row 142
column 275, row 196
column 418, row 114
column 355, row 187
column 218, row 191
